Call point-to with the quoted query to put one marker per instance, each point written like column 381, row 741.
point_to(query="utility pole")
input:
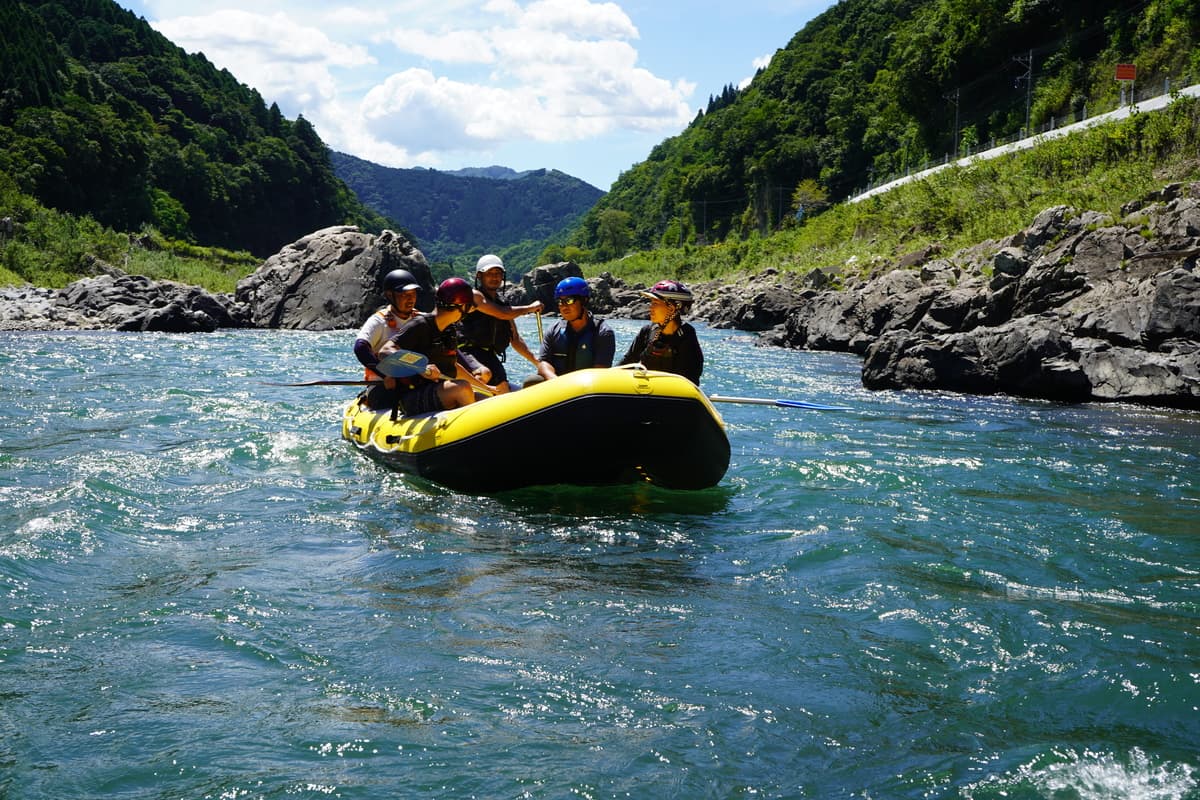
column 1028, row 78
column 954, row 96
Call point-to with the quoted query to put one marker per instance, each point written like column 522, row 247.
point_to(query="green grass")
column 51, row 249
column 1099, row 169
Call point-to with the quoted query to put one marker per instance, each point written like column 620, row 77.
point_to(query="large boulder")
column 330, row 279
column 539, row 283
column 1028, row 356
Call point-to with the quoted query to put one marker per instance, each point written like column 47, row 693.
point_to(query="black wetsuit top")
column 678, row 352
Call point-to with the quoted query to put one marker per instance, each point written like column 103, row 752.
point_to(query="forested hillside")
column 877, row 87
column 489, row 209
column 102, row 116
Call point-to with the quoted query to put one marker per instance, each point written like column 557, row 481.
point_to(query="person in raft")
column 435, row 336
column 578, row 340
column 400, row 289
column 668, row 343
column 489, row 329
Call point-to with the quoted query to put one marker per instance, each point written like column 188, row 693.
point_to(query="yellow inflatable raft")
column 590, row 427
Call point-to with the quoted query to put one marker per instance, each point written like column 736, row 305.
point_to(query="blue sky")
column 584, row 87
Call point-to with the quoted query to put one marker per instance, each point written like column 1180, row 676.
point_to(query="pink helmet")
column 672, row 292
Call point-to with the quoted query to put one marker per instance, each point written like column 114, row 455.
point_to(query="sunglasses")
column 568, row 301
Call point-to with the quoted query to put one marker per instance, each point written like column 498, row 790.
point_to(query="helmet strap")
column 673, row 322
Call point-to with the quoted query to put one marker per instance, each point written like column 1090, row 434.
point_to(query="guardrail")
column 1019, row 141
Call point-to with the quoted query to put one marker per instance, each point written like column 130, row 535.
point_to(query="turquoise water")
column 930, row 596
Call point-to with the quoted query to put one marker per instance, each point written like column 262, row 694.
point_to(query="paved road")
column 1153, row 104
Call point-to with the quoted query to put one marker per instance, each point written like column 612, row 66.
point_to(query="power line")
column 1028, row 78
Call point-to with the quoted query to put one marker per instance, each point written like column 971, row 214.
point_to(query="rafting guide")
column 489, row 328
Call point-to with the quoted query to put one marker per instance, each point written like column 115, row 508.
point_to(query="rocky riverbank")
column 1076, row 307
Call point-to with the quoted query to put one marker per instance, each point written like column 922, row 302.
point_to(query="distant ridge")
column 456, row 216
column 494, row 172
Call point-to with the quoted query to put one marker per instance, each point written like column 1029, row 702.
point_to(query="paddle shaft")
column 762, row 401
column 325, row 383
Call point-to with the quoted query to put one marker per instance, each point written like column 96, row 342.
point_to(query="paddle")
column 325, row 383
column 759, row 401
column 399, row 364
column 479, row 385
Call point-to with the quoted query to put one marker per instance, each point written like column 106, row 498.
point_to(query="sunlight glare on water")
column 208, row 594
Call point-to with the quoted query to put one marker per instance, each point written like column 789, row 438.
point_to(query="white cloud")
column 579, row 18
column 557, row 70
column 762, row 62
column 275, row 38
column 287, row 62
column 453, row 47
column 407, row 82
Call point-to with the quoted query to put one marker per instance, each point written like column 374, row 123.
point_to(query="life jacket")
column 385, row 315
column 569, row 345
column 440, row 347
column 661, row 350
column 486, row 333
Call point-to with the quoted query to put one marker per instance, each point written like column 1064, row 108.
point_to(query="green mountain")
column 497, row 172
column 102, row 116
column 872, row 88
column 465, row 214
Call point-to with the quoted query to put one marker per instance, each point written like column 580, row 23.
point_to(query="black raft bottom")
column 593, row 440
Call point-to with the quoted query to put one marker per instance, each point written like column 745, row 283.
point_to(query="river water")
column 207, row 594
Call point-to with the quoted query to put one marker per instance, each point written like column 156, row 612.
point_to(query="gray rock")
column 118, row 302
column 330, row 279
column 539, row 283
column 1073, row 308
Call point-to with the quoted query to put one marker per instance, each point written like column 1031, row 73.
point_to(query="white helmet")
column 489, row 261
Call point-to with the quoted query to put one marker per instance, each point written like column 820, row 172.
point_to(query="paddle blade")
column 810, row 406
column 401, row 364
column 762, row 401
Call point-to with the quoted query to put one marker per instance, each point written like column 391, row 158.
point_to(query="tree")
column 809, row 198
column 615, row 230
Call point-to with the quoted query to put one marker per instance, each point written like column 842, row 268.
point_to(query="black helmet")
column 400, row 280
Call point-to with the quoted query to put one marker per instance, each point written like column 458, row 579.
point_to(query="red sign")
column 1126, row 72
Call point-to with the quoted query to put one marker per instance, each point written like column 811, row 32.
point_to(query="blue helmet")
column 572, row 287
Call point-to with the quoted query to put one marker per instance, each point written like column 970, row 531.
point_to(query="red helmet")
column 455, row 292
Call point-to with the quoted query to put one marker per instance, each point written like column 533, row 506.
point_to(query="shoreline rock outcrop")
column 326, row 280
column 1076, row 307
column 119, row 302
